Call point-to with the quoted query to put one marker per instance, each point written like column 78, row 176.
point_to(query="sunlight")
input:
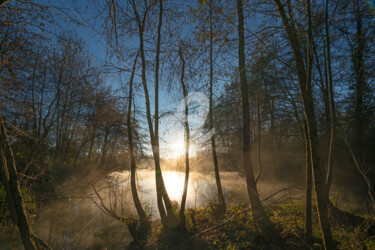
column 174, row 183
column 177, row 149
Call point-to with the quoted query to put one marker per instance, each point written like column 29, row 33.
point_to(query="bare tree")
column 166, row 213
column 13, row 194
column 221, row 207
column 144, row 226
column 304, row 79
column 259, row 213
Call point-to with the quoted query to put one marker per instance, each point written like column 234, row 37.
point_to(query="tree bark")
column 222, row 205
column 14, row 196
column 304, row 78
column 187, row 142
column 308, row 201
column 168, row 218
column 331, row 102
column 358, row 59
column 258, row 211
column 133, row 167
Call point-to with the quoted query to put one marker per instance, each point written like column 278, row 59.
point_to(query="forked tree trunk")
column 168, row 218
column 259, row 214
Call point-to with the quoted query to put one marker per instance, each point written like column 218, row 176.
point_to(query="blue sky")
column 89, row 30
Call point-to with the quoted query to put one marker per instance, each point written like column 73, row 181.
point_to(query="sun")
column 177, row 149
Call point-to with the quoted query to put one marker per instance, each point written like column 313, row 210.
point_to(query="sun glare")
column 174, row 182
column 177, row 149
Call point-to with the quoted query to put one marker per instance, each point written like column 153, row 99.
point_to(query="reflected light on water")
column 174, row 183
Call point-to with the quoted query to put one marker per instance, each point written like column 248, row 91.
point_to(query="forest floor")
column 236, row 230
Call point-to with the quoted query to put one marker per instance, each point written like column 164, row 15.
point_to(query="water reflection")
column 200, row 187
column 80, row 223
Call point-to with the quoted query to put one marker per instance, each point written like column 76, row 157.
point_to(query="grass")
column 236, row 230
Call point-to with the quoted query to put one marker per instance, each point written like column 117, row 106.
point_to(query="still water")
column 80, row 223
column 201, row 187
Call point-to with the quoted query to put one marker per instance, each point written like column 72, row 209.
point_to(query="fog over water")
column 79, row 221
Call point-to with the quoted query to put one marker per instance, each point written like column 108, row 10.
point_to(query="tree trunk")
column 133, row 167
column 168, row 218
column 221, row 207
column 105, row 144
column 258, row 211
column 308, row 208
column 304, row 78
column 144, row 225
column 331, row 102
column 358, row 59
column 187, row 143
column 14, row 196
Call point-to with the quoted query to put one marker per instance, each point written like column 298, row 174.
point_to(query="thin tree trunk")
column 168, row 218
column 308, row 201
column 258, row 211
column 259, row 123
column 358, row 59
column 133, row 167
column 171, row 218
column 222, row 205
column 105, row 144
column 304, row 78
column 187, row 143
column 332, row 104
column 92, row 142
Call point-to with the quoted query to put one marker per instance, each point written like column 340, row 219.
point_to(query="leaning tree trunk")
column 259, row 214
column 13, row 194
column 221, row 207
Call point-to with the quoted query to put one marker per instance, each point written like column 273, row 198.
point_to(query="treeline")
column 60, row 114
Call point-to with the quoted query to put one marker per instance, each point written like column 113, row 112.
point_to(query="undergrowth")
column 237, row 231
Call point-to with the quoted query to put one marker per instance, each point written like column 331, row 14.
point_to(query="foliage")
column 29, row 199
column 240, row 233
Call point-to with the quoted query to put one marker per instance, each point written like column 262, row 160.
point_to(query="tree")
column 186, row 140
column 304, row 79
column 169, row 220
column 144, row 226
column 221, row 207
column 13, row 193
column 259, row 213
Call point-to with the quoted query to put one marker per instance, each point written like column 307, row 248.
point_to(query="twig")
column 219, row 225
